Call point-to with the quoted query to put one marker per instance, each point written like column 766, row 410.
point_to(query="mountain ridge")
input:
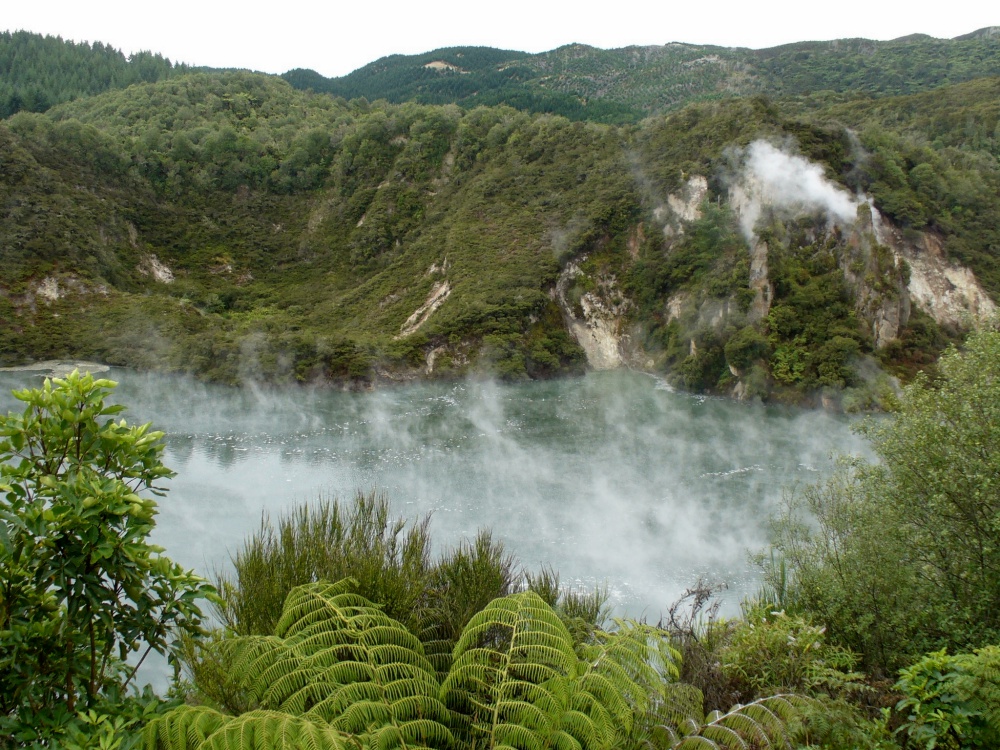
column 232, row 226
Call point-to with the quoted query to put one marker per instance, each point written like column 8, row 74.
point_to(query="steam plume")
column 790, row 184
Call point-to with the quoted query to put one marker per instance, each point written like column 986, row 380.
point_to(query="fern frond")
column 337, row 663
column 199, row 728
column 516, row 674
column 260, row 730
column 517, row 736
column 305, row 605
column 727, row 737
column 979, row 685
column 763, row 724
column 184, row 728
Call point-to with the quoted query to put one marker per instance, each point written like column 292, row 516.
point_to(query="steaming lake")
column 610, row 478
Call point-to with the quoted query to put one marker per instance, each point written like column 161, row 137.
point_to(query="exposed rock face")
column 152, row 266
column 48, row 289
column 683, row 207
column 687, row 205
column 947, row 291
column 745, row 199
column 876, row 277
column 438, row 294
column 51, row 289
column 599, row 330
column 760, row 282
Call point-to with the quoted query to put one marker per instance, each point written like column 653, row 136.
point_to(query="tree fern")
column 338, row 671
column 629, row 671
column 762, row 724
column 199, row 728
column 517, row 677
column 336, row 663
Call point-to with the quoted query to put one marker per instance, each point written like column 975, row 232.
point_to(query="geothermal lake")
column 612, row 478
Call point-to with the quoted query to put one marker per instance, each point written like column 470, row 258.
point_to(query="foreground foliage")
column 455, row 652
column 339, row 672
column 906, row 555
column 952, row 701
column 80, row 586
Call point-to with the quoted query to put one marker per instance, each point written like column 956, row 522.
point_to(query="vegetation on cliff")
column 228, row 225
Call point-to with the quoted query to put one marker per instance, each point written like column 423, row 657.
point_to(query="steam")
column 788, row 184
column 608, row 478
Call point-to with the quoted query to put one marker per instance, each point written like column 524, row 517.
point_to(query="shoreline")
column 58, row 368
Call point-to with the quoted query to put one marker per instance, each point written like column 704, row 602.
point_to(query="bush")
column 80, row 586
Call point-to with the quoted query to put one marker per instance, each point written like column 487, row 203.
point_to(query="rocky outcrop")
column 152, row 266
column 438, row 294
column 682, row 207
column 597, row 321
column 945, row 290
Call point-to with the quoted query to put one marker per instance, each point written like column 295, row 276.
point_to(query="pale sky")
column 335, row 38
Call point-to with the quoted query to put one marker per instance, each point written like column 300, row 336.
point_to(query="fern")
column 978, row 683
column 629, row 671
column 762, row 724
column 199, row 728
column 336, row 663
column 517, row 677
column 338, row 672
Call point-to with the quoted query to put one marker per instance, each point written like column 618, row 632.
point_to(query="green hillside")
column 622, row 85
column 231, row 226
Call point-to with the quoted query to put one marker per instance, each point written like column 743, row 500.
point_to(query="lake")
column 612, row 478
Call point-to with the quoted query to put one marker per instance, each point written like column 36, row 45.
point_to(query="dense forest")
column 625, row 85
column 230, row 226
column 38, row 72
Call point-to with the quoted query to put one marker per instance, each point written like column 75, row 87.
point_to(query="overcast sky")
column 335, row 38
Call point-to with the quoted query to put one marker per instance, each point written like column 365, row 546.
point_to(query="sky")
column 334, row 38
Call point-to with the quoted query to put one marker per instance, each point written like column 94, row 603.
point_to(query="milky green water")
column 610, row 478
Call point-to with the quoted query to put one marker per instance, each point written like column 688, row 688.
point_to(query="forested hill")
column 228, row 225
column 37, row 72
column 623, row 85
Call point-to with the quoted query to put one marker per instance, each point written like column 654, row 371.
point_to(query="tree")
column 902, row 556
column 80, row 585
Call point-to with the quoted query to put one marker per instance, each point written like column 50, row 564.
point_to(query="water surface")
column 610, row 478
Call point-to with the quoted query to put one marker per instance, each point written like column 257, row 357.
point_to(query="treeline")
column 38, row 72
column 624, row 85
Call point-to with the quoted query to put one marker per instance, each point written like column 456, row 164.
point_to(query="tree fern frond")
column 305, row 605
column 762, row 724
column 695, row 742
column 727, row 737
column 199, row 728
column 344, row 672
column 381, row 654
column 426, row 732
column 363, row 716
column 515, row 736
column 682, row 708
column 260, row 730
column 744, row 725
column 564, row 741
column 523, row 713
column 184, row 728
column 413, row 707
